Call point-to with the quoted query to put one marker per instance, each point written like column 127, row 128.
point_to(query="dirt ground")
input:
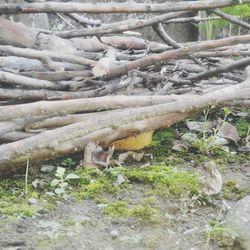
column 159, row 204
column 181, row 223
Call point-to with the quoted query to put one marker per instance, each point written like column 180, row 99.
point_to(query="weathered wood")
column 54, row 7
column 224, row 68
column 119, row 27
column 78, row 105
column 74, row 137
column 175, row 54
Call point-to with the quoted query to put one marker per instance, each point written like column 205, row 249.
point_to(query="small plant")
column 67, row 163
column 217, row 232
column 209, row 141
column 60, row 183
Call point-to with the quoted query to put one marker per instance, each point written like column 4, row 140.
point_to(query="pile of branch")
column 61, row 90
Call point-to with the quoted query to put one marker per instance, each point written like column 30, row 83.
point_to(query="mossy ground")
column 149, row 188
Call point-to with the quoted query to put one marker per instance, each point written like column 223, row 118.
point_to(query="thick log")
column 19, row 35
column 27, row 82
column 74, row 137
column 44, row 55
column 54, row 7
column 15, row 136
column 79, row 105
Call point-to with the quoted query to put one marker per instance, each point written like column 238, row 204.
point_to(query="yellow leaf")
column 136, row 142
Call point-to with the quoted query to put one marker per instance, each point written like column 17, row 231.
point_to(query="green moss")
column 93, row 183
column 143, row 212
column 166, row 180
column 10, row 209
column 117, row 209
column 232, row 192
column 68, row 223
column 242, row 126
column 14, row 202
column 161, row 144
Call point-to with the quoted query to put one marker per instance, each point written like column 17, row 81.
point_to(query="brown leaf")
column 228, row 131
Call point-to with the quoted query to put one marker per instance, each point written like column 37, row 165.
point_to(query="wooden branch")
column 56, row 76
column 79, row 105
column 224, row 68
column 195, row 19
column 27, row 82
column 165, row 37
column 175, row 54
column 231, row 19
column 225, row 53
column 15, row 136
column 44, row 54
column 84, row 20
column 54, row 7
column 119, row 26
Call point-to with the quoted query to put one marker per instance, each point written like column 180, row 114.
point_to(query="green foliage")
column 161, row 145
column 232, row 192
column 217, row 232
column 208, row 142
column 117, row 209
column 17, row 209
column 242, row 126
column 68, row 163
column 60, row 183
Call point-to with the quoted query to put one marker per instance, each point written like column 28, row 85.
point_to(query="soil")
column 153, row 209
column 73, row 224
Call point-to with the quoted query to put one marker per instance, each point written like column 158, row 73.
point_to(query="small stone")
column 32, row 201
column 238, row 219
column 120, row 179
column 114, row 234
column 47, row 168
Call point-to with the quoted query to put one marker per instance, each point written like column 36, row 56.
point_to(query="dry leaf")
column 130, row 154
column 95, row 156
column 214, row 179
column 199, row 126
column 228, row 131
column 120, row 179
column 180, row 145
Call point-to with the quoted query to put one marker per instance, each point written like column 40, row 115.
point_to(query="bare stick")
column 84, row 20
column 175, row 54
column 79, row 105
column 165, row 37
column 36, row 54
column 119, row 26
column 224, row 68
column 194, row 19
column 54, row 7
column 232, row 19
column 27, row 82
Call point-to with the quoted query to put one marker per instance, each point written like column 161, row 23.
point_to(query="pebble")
column 32, row 201
column 114, row 234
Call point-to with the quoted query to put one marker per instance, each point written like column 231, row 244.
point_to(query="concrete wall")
column 180, row 32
